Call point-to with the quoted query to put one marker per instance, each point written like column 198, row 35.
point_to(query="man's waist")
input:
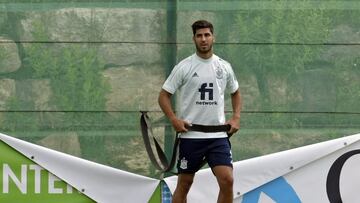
column 202, row 135
column 209, row 128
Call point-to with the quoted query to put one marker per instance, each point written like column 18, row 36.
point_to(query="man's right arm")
column 165, row 105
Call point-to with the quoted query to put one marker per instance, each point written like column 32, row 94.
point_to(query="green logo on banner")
column 24, row 181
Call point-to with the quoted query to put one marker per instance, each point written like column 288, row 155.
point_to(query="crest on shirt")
column 219, row 72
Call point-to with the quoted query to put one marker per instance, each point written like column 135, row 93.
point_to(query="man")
column 202, row 79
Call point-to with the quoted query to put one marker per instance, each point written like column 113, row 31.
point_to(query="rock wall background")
column 75, row 79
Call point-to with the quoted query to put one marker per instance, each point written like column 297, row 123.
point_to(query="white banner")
column 321, row 173
column 101, row 183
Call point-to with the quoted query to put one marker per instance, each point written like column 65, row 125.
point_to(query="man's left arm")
column 234, row 121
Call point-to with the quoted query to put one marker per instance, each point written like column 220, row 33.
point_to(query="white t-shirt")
column 202, row 84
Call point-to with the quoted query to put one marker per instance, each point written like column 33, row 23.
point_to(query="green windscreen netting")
column 75, row 74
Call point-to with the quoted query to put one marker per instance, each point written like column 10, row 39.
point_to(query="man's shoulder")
column 222, row 61
column 186, row 61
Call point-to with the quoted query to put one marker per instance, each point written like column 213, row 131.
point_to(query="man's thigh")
column 219, row 153
column 191, row 155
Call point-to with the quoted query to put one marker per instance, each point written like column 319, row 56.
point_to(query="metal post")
column 170, row 63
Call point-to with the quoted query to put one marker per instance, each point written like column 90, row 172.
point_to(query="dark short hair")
column 200, row 24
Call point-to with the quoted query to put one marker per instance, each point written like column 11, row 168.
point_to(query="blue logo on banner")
column 278, row 190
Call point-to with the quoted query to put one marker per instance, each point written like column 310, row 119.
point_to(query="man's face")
column 203, row 40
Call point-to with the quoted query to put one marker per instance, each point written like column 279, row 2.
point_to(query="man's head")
column 203, row 38
column 200, row 24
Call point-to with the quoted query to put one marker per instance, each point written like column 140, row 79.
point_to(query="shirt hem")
column 201, row 135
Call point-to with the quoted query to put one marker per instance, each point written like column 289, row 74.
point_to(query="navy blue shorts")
column 194, row 152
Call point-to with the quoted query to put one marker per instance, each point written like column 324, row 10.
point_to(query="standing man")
column 201, row 80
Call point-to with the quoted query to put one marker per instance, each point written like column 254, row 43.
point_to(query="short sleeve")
column 232, row 82
column 174, row 81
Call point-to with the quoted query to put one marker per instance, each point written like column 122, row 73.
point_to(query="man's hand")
column 165, row 105
column 234, row 122
column 180, row 126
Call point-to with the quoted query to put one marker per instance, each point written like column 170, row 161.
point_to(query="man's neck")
column 206, row 55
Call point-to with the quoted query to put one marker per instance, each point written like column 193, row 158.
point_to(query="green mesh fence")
column 75, row 74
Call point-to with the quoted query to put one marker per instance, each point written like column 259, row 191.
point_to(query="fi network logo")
column 204, row 90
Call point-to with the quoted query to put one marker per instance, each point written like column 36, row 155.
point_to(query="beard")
column 204, row 50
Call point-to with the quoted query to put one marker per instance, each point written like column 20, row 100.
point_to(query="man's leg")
column 224, row 176
column 182, row 188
